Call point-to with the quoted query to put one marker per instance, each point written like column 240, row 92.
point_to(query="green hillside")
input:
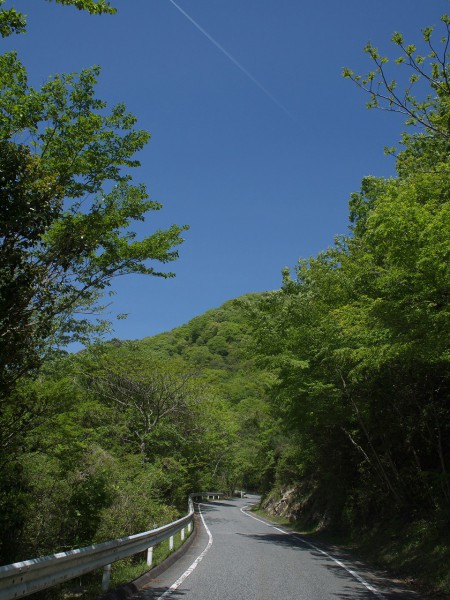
column 228, row 401
column 123, row 431
column 218, row 345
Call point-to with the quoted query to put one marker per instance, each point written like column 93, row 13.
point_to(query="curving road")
column 238, row 556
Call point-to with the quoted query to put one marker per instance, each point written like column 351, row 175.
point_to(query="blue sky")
column 259, row 184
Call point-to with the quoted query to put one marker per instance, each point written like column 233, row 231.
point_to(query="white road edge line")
column 194, row 565
column 338, row 562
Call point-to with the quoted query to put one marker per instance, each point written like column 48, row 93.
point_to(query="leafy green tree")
column 359, row 338
column 427, row 65
column 60, row 249
column 13, row 21
column 156, row 401
column 68, row 206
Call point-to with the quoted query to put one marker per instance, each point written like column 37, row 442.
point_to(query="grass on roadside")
column 89, row 587
column 124, row 571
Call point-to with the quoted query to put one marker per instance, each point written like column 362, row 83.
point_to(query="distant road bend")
column 238, row 556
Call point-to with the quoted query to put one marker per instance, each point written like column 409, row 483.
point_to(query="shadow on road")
column 228, row 503
column 385, row 587
column 151, row 593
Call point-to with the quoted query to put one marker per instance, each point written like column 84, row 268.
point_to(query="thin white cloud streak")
column 234, row 61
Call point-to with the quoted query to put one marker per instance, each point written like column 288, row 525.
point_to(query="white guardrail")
column 29, row 576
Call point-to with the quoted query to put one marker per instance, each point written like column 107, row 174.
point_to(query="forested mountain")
column 217, row 344
column 125, row 430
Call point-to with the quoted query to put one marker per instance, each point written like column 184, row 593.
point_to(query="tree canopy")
column 359, row 336
column 69, row 204
column 69, row 208
column 13, row 21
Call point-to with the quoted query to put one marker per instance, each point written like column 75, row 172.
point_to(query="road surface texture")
column 238, row 556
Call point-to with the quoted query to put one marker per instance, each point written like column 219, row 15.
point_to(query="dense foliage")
column 359, row 338
column 128, row 429
column 217, row 344
column 68, row 204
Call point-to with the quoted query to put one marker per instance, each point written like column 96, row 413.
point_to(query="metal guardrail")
column 27, row 577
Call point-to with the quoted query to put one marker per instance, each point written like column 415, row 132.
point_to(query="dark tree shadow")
column 228, row 503
column 151, row 593
column 384, row 587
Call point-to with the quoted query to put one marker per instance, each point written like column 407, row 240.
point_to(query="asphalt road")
column 239, row 557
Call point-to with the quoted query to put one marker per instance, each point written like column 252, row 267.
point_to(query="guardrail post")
column 190, row 526
column 171, row 543
column 149, row 556
column 182, row 534
column 106, row 578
